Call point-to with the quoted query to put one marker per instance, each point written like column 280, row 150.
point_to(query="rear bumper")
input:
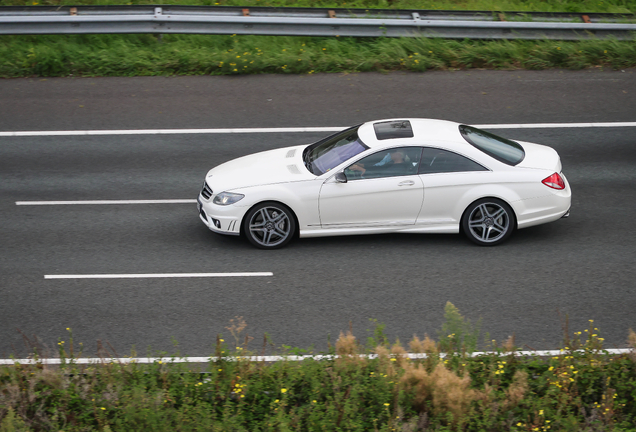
column 536, row 211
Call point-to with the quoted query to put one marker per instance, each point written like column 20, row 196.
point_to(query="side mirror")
column 341, row 177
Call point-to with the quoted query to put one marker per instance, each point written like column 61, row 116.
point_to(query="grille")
column 206, row 191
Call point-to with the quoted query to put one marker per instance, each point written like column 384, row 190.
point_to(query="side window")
column 443, row 161
column 386, row 163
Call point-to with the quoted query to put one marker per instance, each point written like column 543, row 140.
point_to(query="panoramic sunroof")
column 393, row 129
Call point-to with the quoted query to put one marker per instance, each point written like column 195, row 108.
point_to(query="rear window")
column 393, row 129
column 502, row 149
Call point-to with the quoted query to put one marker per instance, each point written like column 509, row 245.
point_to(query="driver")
column 391, row 163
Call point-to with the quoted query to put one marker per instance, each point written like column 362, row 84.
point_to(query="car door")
column 447, row 177
column 382, row 189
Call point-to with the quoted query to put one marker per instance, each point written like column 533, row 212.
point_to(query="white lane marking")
column 556, row 125
column 171, row 131
column 57, row 361
column 157, row 275
column 290, row 129
column 172, row 201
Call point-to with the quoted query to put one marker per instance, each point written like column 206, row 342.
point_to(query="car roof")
column 424, row 131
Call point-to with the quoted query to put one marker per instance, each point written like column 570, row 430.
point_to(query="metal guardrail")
column 313, row 22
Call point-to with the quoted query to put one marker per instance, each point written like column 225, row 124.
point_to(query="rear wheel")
column 488, row 222
column 269, row 225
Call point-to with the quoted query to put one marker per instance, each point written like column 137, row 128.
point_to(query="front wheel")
column 488, row 222
column 269, row 225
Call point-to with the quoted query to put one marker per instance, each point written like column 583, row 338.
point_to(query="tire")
column 488, row 222
column 269, row 225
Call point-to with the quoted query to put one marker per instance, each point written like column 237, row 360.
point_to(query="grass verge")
column 145, row 55
column 582, row 389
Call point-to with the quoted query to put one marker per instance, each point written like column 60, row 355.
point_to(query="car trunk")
column 539, row 156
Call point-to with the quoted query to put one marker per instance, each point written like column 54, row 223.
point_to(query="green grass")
column 144, row 55
column 583, row 389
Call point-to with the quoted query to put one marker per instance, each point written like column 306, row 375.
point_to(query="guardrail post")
column 159, row 12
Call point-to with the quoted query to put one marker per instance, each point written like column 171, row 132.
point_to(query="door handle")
column 406, row 183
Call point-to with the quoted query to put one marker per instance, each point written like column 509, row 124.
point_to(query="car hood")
column 281, row 165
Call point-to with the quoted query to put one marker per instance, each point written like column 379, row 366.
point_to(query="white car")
column 407, row 176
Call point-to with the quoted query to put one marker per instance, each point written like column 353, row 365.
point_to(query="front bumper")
column 219, row 219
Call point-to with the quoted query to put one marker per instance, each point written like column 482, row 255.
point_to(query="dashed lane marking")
column 93, row 202
column 157, row 275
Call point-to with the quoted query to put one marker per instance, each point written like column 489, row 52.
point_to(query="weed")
column 143, row 55
column 582, row 389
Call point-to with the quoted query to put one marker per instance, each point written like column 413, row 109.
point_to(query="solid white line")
column 555, row 125
column 172, row 201
column 171, row 131
column 157, row 275
column 57, row 361
column 290, row 129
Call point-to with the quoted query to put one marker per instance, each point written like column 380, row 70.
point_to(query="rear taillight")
column 554, row 181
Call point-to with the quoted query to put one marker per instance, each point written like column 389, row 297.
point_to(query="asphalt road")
column 582, row 267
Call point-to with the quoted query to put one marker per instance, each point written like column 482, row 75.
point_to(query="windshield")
column 502, row 149
column 330, row 152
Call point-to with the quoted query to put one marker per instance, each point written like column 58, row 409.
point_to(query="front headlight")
column 227, row 198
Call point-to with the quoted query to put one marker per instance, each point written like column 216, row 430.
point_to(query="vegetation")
column 143, row 55
column 585, row 388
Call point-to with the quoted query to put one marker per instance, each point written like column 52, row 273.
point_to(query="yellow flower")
column 540, row 412
column 283, row 390
column 103, row 408
column 393, row 359
column 386, row 404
